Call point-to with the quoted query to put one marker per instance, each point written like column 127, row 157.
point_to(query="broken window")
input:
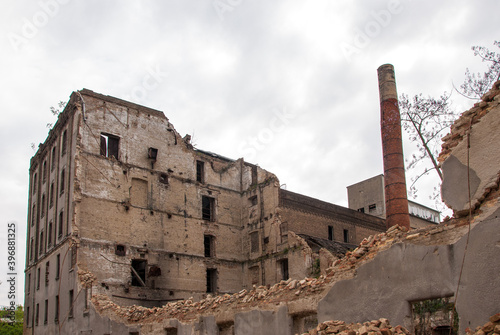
column 211, row 280
column 70, row 312
column 209, row 243
column 64, row 142
column 362, row 209
column 283, row 268
column 200, row 171
column 253, row 200
column 254, row 241
column 346, row 236
column 207, row 208
column 109, row 145
column 330, row 233
column 372, row 208
column 120, row 250
column 138, row 271
column 152, row 153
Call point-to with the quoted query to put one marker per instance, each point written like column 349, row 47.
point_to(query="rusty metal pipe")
column 396, row 200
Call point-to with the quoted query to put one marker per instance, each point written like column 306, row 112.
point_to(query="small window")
column 37, row 312
column 49, row 235
column 209, row 243
column 27, row 319
column 346, row 236
column 62, row 181
column 170, row 331
column 32, row 246
column 253, row 200
column 70, row 312
column 211, row 280
column 56, row 310
column 35, row 181
column 207, row 208
column 109, row 145
column 42, row 210
column 60, row 224
column 33, row 215
column 73, row 254
column 120, row 250
column 38, row 279
column 51, row 195
column 152, row 153
column 54, row 155
column 40, row 242
column 372, row 208
column 47, row 268
column 254, row 241
column 46, row 312
column 330, row 233
column 361, row 210
column 64, row 142
column 138, row 272
column 283, row 267
column 58, row 265
column 163, row 178
column 28, row 284
column 44, row 171
column 200, row 171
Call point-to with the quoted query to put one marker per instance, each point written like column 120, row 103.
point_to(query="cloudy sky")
column 289, row 85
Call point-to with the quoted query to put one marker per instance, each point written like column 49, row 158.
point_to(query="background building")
column 368, row 196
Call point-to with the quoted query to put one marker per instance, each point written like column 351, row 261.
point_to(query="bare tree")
column 425, row 120
column 56, row 111
column 476, row 85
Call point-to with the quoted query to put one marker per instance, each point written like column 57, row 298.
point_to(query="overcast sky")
column 289, row 85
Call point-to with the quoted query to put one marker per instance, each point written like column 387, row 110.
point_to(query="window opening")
column 120, row 250
column 63, row 144
column 35, row 180
column 60, row 227
column 209, row 246
column 330, row 233
column 63, row 175
column 109, row 145
column 283, row 264
column 49, row 234
column 138, row 270
column 47, row 267
column 44, row 171
column 346, row 236
column 56, row 312
column 51, row 195
column 254, row 241
column 372, row 208
column 43, row 206
column 53, row 166
column 362, row 209
column 70, row 312
column 207, row 208
column 200, row 171
column 211, row 280
column 38, row 279
column 40, row 249
column 46, row 312
column 58, row 265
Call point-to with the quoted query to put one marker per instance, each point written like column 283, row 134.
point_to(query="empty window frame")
column 254, row 241
column 42, row 209
column 33, row 215
column 28, row 284
column 47, row 270
column 64, row 141
column 372, row 208
column 200, row 171
column 60, row 224
column 361, row 210
column 44, row 171
column 330, row 233
column 283, row 268
column 207, row 208
column 51, row 195
column 346, row 236
column 211, row 280
column 56, row 309
column 54, row 156
column 35, row 181
column 120, row 250
column 58, row 265
column 209, row 244
column 70, row 312
column 73, row 256
column 38, row 278
column 62, row 181
column 40, row 242
column 37, row 311
column 32, row 248
column 138, row 272
column 46, row 312
column 49, row 235
column 109, row 145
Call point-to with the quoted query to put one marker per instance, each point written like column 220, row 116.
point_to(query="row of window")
column 56, row 309
column 345, row 232
column 51, row 240
column 43, row 207
column 53, row 160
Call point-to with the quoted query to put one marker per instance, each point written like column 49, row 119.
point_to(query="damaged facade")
column 120, row 204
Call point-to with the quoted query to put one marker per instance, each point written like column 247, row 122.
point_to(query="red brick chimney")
column 396, row 201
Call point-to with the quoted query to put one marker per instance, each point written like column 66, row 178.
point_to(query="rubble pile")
column 381, row 326
column 491, row 327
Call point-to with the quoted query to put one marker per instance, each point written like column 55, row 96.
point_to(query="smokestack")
column 396, row 201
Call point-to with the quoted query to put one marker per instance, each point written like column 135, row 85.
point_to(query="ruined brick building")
column 120, row 204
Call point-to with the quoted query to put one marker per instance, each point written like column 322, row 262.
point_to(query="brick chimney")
column 396, row 201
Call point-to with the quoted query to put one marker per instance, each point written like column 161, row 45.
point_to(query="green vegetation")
column 7, row 327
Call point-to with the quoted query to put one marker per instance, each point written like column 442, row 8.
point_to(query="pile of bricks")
column 381, row 326
column 491, row 327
